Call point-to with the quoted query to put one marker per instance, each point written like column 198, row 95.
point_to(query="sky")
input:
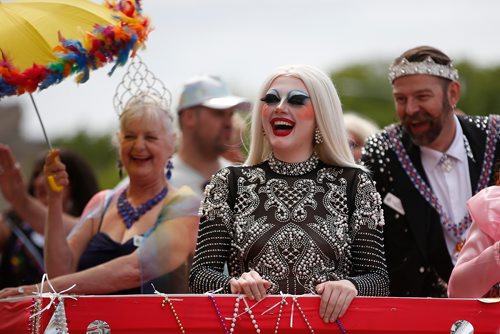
column 243, row 41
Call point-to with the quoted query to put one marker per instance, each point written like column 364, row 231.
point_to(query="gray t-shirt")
column 185, row 175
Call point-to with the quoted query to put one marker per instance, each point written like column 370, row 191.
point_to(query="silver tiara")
column 139, row 83
column 428, row 66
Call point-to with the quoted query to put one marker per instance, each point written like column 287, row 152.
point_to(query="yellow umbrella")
column 30, row 28
column 44, row 41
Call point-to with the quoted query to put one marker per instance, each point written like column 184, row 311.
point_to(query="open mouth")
column 282, row 126
column 140, row 159
column 418, row 127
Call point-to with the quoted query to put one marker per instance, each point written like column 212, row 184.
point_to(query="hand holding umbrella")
column 55, row 171
column 44, row 41
column 50, row 179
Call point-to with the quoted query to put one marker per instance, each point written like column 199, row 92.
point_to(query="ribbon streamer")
column 52, row 295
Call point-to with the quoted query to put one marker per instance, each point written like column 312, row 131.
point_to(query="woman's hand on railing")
column 336, row 296
column 251, row 284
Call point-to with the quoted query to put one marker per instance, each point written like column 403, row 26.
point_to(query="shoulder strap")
column 107, row 201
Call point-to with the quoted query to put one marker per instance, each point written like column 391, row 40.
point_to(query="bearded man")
column 426, row 168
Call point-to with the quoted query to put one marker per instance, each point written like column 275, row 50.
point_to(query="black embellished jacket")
column 297, row 225
column 418, row 260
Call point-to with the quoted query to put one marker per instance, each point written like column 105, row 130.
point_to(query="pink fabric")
column 478, row 265
column 485, row 210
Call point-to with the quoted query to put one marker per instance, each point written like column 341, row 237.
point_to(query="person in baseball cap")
column 210, row 92
column 205, row 111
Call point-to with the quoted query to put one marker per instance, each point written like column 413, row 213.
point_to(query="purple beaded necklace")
column 457, row 230
column 130, row 214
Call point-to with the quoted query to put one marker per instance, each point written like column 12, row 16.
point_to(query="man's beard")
column 212, row 147
column 435, row 124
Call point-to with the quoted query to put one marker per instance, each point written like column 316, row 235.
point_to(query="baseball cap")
column 209, row 91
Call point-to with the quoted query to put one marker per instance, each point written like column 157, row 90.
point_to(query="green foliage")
column 99, row 152
column 480, row 89
column 364, row 88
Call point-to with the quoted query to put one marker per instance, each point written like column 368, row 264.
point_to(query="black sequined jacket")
column 418, row 260
column 297, row 225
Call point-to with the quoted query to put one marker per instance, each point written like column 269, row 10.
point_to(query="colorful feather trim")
column 105, row 44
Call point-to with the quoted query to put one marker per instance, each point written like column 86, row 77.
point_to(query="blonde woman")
column 133, row 235
column 300, row 216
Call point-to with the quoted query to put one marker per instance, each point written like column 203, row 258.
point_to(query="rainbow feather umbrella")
column 44, row 41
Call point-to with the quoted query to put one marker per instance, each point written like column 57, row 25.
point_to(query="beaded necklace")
column 457, row 230
column 236, row 315
column 34, row 319
column 248, row 309
column 219, row 315
column 130, row 214
column 280, row 313
column 167, row 300
column 308, row 324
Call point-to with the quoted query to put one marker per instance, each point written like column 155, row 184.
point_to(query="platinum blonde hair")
column 359, row 125
column 328, row 112
column 145, row 106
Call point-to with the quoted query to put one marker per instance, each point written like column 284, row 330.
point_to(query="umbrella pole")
column 52, row 183
column 41, row 122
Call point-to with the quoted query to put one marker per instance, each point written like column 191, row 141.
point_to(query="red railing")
column 197, row 314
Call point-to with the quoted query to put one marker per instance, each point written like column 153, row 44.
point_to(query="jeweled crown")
column 428, row 66
column 139, row 83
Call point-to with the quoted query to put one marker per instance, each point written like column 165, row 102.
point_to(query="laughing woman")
column 300, row 216
column 129, row 237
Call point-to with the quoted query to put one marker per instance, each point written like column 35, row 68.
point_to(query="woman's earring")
column 120, row 171
column 170, row 166
column 318, row 138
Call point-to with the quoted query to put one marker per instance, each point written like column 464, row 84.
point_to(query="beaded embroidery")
column 459, row 229
column 296, row 232
column 293, row 168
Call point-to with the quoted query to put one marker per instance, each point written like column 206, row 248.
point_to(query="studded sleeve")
column 375, row 157
column 369, row 270
column 214, row 237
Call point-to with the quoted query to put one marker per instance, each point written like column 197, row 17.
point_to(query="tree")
column 98, row 151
